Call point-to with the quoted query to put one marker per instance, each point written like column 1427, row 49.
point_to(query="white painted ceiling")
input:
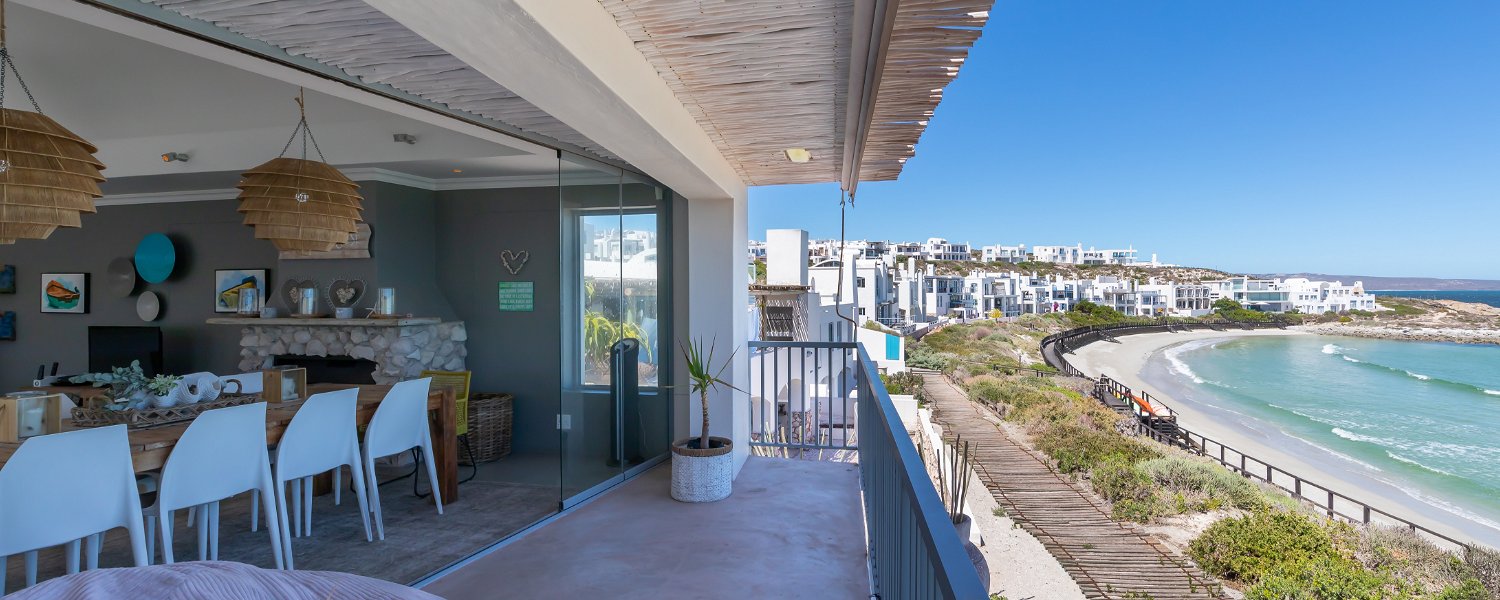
column 137, row 100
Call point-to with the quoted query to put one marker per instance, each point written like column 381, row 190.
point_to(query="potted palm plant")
column 703, row 466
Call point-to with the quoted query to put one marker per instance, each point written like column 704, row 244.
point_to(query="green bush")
column 1140, row 511
column 1247, row 548
column 1327, row 577
column 1117, row 480
column 1077, row 448
column 1190, row 475
column 1485, row 565
column 1410, row 557
column 1470, row 589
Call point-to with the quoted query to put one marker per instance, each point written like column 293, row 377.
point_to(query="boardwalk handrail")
column 1055, row 347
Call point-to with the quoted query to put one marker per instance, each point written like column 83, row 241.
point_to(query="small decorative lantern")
column 284, row 384
column 26, row 414
column 300, row 204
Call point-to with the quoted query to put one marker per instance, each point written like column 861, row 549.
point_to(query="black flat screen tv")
column 111, row 347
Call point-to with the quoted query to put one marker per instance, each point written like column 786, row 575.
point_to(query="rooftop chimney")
column 786, row 257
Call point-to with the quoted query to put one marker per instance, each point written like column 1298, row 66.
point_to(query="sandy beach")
column 1136, row 362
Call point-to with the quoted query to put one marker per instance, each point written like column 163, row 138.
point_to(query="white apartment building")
column 1318, row 297
column 942, row 249
column 866, row 282
column 1076, row 255
column 1266, row 295
column 1108, row 256
column 1069, row 255
column 1005, row 254
column 907, row 249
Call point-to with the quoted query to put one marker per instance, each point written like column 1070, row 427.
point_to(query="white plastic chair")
column 60, row 488
column 320, row 438
column 222, row 454
column 400, row 424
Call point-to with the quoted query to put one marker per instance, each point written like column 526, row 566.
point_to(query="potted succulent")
column 703, row 466
column 161, row 388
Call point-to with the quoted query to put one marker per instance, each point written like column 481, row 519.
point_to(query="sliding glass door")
column 614, row 417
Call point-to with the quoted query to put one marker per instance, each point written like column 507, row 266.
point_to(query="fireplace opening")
column 330, row 369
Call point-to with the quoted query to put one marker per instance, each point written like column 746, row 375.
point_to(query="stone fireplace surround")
column 400, row 348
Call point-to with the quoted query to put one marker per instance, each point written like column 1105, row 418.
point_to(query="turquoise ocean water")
column 1422, row 417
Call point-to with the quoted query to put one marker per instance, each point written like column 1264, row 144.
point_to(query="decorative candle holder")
column 385, row 301
column 308, row 305
column 249, row 302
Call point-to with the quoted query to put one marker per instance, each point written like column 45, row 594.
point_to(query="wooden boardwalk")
column 1107, row 558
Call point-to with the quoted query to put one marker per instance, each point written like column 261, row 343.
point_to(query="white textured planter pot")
column 702, row 475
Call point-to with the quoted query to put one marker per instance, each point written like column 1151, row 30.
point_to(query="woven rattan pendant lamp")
column 300, row 205
column 48, row 175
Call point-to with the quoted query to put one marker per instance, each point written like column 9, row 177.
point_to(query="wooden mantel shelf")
column 324, row 322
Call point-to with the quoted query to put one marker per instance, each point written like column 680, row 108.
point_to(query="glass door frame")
column 575, row 364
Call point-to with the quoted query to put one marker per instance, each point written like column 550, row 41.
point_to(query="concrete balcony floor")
column 792, row 529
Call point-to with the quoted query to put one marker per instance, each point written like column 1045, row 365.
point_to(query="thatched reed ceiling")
column 762, row 76
column 364, row 42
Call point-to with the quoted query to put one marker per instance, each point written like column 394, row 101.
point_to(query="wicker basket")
column 153, row 417
column 490, row 420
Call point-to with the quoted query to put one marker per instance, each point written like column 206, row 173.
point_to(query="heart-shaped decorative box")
column 346, row 293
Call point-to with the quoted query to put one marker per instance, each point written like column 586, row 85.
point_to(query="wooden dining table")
column 150, row 446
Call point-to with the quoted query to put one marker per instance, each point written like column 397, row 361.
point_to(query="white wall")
column 717, row 291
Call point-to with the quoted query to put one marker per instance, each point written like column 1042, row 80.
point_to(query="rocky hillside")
column 944, row 267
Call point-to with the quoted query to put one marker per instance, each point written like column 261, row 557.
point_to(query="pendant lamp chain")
column 307, row 134
column 8, row 66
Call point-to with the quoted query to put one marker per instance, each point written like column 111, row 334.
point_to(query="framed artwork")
column 66, row 293
column 7, row 279
column 8, row 325
column 229, row 282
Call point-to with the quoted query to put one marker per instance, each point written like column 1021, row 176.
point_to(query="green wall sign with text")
column 517, row 296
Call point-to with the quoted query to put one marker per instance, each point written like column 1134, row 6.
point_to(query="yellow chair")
column 458, row 381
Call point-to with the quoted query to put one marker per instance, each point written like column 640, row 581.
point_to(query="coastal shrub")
column 1247, row 548
column 1190, row 475
column 904, row 383
column 1469, row 589
column 1325, row 577
column 1117, row 480
column 1485, row 565
column 1077, row 448
column 1411, row 558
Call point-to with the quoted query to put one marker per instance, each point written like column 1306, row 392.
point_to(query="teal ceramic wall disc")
column 155, row 257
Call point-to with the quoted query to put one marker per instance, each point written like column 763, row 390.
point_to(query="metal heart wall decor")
column 292, row 291
column 345, row 293
column 515, row 261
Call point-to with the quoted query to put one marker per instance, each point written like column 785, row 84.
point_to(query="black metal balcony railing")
column 914, row 550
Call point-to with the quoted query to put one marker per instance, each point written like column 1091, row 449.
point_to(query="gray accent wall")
column 514, row 352
column 208, row 235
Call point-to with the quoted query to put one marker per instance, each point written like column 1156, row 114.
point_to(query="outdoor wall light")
column 798, row 155
column 404, row 137
column 173, row 157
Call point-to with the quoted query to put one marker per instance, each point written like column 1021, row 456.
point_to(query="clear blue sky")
column 1346, row 137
